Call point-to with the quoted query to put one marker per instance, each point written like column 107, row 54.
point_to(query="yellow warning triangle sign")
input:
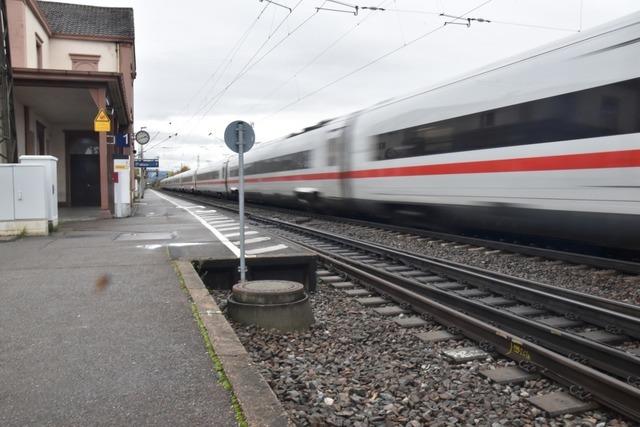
column 102, row 116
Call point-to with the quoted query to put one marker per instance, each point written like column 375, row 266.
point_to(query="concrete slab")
column 410, row 322
column 465, row 354
column 347, row 253
column 498, row 301
column 472, row 293
column 331, row 279
column 560, row 403
column 357, row 292
column 429, row 279
column 560, row 322
column 364, row 258
column 525, row 310
column 449, row 286
column 603, row 337
column 412, row 273
column 343, row 285
column 507, row 375
column 436, row 336
column 391, row 310
column 398, row 268
column 380, row 265
column 372, row 301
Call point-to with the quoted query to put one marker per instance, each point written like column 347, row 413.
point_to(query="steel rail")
column 623, row 266
column 617, row 306
column 449, row 308
column 587, row 309
column 609, row 359
column 605, row 389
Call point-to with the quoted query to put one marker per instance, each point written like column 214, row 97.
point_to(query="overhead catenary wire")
column 216, row 99
column 483, row 20
column 228, row 59
column 226, row 62
column 322, row 52
column 248, row 65
column 370, row 63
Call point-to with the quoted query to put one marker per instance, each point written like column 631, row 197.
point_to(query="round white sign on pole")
column 142, row 137
column 232, row 136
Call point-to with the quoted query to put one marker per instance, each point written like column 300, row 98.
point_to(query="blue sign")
column 122, row 140
column 147, row 163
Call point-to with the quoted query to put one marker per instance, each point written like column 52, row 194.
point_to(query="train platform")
column 97, row 329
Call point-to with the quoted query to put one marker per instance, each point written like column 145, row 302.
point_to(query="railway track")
column 619, row 265
column 576, row 339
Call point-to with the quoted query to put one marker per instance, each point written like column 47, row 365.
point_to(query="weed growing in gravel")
column 222, row 377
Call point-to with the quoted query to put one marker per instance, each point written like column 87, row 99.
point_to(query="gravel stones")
column 357, row 368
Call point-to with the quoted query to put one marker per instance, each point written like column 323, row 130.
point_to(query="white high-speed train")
column 546, row 143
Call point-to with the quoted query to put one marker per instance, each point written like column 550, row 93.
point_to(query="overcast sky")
column 189, row 52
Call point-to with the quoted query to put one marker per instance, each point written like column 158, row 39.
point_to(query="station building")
column 68, row 61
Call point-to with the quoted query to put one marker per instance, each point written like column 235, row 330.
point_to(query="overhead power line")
column 226, row 62
column 370, row 63
column 212, row 101
column 216, row 98
column 322, row 53
column 230, row 55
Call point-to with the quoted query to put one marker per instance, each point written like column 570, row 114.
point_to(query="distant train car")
column 546, row 143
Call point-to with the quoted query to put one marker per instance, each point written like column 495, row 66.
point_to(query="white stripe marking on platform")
column 254, row 240
column 267, row 249
column 221, row 237
column 228, row 228
column 246, row 233
column 222, row 221
column 210, row 211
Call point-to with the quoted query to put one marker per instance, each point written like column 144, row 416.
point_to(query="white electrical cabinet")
column 50, row 165
column 23, row 200
column 7, row 212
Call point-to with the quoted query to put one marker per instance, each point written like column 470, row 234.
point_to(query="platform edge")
column 259, row 403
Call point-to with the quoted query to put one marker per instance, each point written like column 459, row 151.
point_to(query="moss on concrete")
column 217, row 364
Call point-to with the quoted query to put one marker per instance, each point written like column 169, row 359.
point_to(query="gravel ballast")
column 355, row 368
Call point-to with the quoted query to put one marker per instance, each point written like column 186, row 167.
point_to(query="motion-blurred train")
column 542, row 144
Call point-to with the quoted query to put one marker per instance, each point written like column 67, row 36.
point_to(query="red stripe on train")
column 609, row 159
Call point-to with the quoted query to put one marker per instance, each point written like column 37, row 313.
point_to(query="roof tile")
column 83, row 20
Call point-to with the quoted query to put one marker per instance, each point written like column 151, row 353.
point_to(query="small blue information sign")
column 147, row 163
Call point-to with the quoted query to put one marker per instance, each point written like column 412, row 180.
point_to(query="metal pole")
column 243, row 267
column 143, row 181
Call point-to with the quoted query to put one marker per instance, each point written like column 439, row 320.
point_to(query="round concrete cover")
column 268, row 292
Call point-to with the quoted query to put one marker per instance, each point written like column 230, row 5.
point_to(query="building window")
column 39, row 43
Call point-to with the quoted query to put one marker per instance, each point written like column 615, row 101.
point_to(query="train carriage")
column 546, row 143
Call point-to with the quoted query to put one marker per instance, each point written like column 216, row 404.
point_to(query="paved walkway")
column 94, row 328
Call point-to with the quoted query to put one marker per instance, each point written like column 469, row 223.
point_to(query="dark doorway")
column 40, row 138
column 84, row 168
column 85, row 179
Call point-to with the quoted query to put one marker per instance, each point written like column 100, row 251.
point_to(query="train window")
column 233, row 171
column 209, row 175
column 601, row 111
column 293, row 161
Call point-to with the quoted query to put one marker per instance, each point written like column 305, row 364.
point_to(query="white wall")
column 61, row 48
column 32, row 27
